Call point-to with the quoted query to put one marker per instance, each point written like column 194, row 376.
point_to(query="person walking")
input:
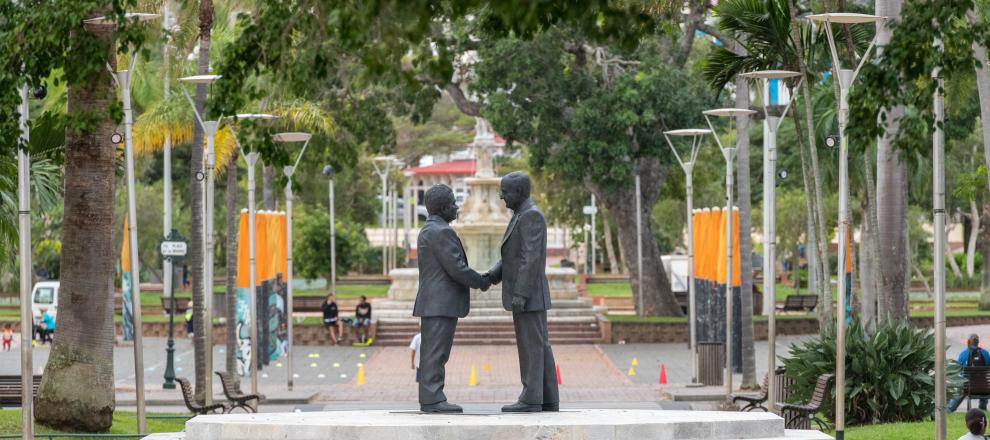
column 8, row 337
column 414, row 353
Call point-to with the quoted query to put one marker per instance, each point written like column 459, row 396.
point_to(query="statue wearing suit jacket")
column 444, row 295
column 526, row 292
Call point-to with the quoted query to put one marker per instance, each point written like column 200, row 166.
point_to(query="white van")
column 45, row 295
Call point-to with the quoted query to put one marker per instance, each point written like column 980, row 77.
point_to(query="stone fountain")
column 480, row 225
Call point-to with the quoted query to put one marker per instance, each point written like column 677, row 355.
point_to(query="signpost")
column 173, row 248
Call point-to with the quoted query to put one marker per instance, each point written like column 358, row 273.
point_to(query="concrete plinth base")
column 564, row 425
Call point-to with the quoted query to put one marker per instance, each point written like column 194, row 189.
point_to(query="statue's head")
column 515, row 189
column 440, row 202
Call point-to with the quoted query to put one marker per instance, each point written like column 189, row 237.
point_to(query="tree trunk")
column 974, row 219
column 892, row 197
column 985, row 250
column 200, row 286
column 232, row 224
column 867, row 276
column 77, row 389
column 613, row 263
column 871, row 254
column 267, row 180
column 658, row 298
column 951, row 256
column 812, row 181
column 983, row 86
column 744, row 202
column 818, row 271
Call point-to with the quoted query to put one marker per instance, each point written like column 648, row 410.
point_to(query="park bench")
column 10, row 390
column 189, row 397
column 799, row 303
column 754, row 401
column 977, row 384
column 799, row 415
column 234, row 394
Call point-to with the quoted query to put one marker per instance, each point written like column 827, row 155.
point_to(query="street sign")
column 590, row 209
column 173, row 246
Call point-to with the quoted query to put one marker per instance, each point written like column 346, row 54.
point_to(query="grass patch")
column 124, row 422
column 613, row 290
column 956, row 427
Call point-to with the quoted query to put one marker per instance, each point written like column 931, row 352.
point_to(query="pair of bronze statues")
column 445, row 280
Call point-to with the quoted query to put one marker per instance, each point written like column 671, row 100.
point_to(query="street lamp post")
column 729, row 153
column 688, row 166
column 24, row 236
column 594, row 210
column 770, row 216
column 329, row 172
column 639, row 243
column 210, row 130
column 123, row 80
column 938, row 194
column 383, row 165
column 252, row 159
column 289, row 171
column 845, row 78
column 172, row 248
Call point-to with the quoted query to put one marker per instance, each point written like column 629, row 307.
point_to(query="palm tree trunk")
column 983, row 86
column 813, row 181
column 985, row 250
column 870, row 255
column 200, row 286
column 974, row 220
column 745, row 238
column 232, row 224
column 77, row 389
column 613, row 263
column 892, row 198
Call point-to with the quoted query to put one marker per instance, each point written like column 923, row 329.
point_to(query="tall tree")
column 744, row 201
column 77, row 389
column 895, row 274
column 200, row 286
column 233, row 215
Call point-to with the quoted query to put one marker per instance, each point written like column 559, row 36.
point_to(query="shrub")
column 889, row 372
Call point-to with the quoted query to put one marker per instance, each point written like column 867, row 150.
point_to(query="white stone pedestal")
column 564, row 425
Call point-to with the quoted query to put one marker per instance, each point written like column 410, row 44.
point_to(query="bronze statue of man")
column 526, row 293
column 443, row 295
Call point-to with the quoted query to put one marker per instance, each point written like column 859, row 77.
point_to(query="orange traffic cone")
column 663, row 374
column 560, row 381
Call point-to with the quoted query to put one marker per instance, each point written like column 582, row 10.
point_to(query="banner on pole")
column 126, row 290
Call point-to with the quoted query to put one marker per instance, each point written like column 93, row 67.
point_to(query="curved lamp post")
column 398, row 164
column 290, row 137
column 210, row 130
column 329, row 172
column 772, row 122
column 696, row 135
column 729, row 153
column 123, row 80
column 845, row 78
column 252, row 159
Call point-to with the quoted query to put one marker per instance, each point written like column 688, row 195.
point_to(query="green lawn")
column 956, row 427
column 616, row 290
column 124, row 422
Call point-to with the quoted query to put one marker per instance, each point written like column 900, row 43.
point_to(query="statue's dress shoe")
column 520, row 407
column 551, row 407
column 441, row 407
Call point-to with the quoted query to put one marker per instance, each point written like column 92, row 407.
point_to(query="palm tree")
column 744, row 201
column 772, row 39
column 77, row 389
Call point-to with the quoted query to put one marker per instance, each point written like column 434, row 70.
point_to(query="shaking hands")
column 489, row 281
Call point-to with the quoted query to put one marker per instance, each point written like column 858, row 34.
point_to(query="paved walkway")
column 326, row 376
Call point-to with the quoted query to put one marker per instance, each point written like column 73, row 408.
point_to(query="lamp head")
column 292, row 137
column 845, row 18
column 687, row 132
column 328, row 171
column 254, row 116
column 134, row 17
column 729, row 112
column 770, row 74
column 200, row 79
